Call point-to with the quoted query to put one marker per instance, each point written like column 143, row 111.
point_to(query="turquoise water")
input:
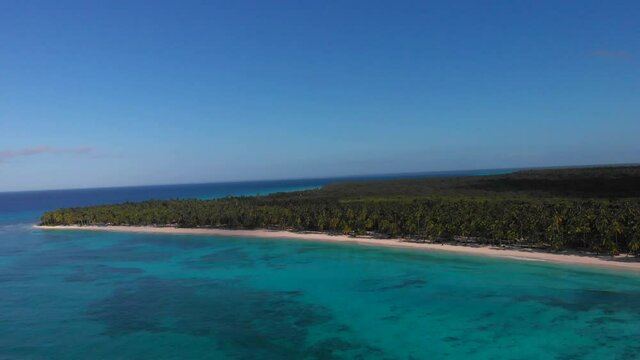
column 78, row 295
column 90, row 295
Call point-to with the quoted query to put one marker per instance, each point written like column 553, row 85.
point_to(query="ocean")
column 91, row 295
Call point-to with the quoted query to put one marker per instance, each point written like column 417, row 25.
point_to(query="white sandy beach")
column 619, row 262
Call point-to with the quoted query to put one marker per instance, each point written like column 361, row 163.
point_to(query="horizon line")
column 337, row 177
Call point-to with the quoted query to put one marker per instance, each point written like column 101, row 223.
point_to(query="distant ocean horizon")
column 394, row 175
column 327, row 179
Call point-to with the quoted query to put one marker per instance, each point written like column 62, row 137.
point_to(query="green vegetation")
column 593, row 209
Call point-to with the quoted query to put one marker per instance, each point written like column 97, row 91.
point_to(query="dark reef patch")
column 309, row 249
column 231, row 257
column 281, row 261
column 91, row 273
column 245, row 323
column 71, row 255
column 587, row 300
column 391, row 283
column 14, row 275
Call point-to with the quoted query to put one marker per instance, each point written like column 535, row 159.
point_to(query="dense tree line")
column 447, row 210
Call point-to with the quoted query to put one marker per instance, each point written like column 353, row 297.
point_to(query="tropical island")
column 587, row 210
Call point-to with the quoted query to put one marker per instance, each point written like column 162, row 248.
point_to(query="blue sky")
column 126, row 92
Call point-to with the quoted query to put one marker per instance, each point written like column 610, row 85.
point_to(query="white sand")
column 618, row 262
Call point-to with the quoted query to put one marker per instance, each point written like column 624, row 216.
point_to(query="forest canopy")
column 591, row 209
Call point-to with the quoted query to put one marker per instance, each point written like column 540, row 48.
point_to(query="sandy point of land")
column 618, row 262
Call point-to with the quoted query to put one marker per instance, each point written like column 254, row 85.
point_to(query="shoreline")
column 619, row 262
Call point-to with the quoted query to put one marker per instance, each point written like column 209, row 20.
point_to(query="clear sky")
column 109, row 93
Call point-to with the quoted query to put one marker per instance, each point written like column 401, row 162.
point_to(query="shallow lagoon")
column 73, row 295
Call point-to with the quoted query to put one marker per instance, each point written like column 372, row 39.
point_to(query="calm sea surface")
column 88, row 295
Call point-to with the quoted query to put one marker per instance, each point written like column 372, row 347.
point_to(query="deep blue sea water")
column 91, row 295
